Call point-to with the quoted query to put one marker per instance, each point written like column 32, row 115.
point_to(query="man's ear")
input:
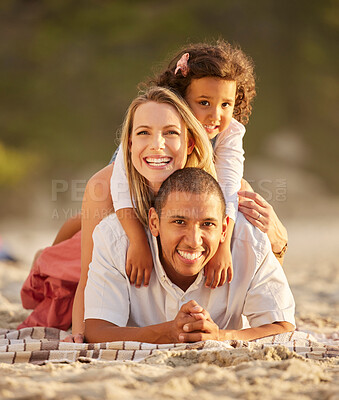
column 224, row 229
column 153, row 222
column 190, row 145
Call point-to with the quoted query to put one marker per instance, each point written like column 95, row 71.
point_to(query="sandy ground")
column 312, row 268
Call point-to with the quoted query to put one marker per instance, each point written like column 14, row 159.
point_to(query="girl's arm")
column 229, row 164
column 96, row 205
column 139, row 262
column 251, row 204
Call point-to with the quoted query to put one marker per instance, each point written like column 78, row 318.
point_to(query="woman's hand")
column 262, row 215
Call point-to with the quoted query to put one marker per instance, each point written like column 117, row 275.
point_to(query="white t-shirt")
column 259, row 290
column 229, row 164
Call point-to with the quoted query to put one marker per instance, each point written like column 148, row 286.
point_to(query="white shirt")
column 259, row 290
column 229, row 164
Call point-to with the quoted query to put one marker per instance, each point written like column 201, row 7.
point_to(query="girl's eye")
column 204, row 103
column 225, row 105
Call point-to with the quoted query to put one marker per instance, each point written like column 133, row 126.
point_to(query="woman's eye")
column 142, row 133
column 173, row 133
column 204, row 103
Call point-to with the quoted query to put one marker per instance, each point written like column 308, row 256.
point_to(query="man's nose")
column 158, row 142
column 194, row 237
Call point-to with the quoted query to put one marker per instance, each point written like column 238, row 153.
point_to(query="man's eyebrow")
column 207, row 219
column 210, row 219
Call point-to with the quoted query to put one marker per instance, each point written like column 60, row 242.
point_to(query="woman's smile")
column 158, row 161
column 158, row 142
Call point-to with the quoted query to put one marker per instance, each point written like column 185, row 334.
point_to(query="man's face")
column 190, row 228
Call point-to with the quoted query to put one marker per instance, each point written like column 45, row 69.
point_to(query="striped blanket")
column 42, row 345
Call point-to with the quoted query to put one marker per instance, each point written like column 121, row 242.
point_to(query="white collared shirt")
column 259, row 289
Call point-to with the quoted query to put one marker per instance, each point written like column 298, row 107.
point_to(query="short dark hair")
column 219, row 60
column 189, row 180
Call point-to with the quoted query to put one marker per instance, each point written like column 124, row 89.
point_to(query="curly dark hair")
column 220, row 60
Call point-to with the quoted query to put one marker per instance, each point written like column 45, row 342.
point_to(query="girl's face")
column 158, row 143
column 212, row 102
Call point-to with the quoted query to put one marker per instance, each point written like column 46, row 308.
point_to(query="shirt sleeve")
column 119, row 184
column 269, row 298
column 107, row 289
column 229, row 164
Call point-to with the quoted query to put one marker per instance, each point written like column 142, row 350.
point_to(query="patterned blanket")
column 41, row 345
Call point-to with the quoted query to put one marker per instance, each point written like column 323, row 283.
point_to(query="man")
column 186, row 226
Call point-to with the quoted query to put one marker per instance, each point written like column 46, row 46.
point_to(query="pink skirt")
column 50, row 287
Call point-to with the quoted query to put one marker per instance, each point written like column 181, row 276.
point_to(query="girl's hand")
column 219, row 269
column 262, row 215
column 139, row 263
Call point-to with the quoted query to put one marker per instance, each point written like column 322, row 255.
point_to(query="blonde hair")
column 201, row 156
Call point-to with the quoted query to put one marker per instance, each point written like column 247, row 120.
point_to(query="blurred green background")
column 69, row 69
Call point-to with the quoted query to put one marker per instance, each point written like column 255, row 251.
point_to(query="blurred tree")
column 68, row 70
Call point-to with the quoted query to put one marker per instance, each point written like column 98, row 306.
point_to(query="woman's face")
column 158, row 143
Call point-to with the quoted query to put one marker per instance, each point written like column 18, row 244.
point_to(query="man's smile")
column 190, row 255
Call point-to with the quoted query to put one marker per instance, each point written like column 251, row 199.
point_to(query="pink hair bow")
column 182, row 65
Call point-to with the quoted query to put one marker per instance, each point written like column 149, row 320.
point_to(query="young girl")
column 217, row 81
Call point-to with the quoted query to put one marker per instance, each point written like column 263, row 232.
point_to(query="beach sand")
column 312, row 269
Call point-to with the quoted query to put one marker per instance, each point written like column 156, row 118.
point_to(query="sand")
column 312, row 268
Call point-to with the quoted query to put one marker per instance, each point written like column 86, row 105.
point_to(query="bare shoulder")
column 103, row 175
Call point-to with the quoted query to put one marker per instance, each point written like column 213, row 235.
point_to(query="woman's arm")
column 139, row 261
column 97, row 204
column 262, row 215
